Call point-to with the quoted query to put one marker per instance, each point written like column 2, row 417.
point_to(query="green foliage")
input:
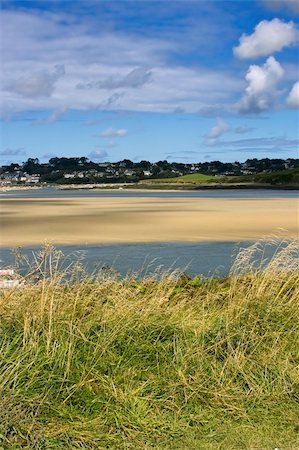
column 199, row 178
column 282, row 177
column 279, row 177
column 170, row 363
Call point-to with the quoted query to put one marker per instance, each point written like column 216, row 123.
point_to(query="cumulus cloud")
column 40, row 84
column 134, row 79
column 293, row 97
column 98, row 154
column 262, row 87
column 112, row 132
column 267, row 38
column 216, row 131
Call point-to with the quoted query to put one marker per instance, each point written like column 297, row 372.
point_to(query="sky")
column 186, row 81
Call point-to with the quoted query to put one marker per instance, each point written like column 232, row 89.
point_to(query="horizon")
column 150, row 80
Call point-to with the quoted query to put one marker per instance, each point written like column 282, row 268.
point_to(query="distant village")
column 81, row 170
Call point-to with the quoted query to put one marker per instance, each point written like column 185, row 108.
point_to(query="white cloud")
column 293, row 97
column 267, row 38
column 216, row 131
column 262, row 86
column 112, row 132
column 98, row 154
column 113, row 66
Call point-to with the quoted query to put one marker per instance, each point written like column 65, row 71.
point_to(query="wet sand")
column 112, row 220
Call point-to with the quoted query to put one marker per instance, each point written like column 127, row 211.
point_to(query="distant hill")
column 281, row 177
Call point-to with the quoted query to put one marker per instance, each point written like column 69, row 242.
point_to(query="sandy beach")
column 112, row 220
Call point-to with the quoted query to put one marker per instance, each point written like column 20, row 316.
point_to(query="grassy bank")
column 169, row 363
column 283, row 178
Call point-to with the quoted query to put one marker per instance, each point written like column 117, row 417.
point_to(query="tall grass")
column 98, row 362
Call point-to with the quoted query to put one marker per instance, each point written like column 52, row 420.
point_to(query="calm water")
column 217, row 193
column 207, row 258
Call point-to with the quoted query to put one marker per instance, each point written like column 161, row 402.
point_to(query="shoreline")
column 154, row 187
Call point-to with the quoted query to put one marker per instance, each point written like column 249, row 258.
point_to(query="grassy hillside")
column 288, row 176
column 168, row 363
column 190, row 178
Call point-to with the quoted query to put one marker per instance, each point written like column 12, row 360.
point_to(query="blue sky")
column 178, row 80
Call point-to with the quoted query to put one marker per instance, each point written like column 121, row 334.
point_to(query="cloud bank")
column 49, row 58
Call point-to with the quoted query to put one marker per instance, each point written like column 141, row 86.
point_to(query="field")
column 108, row 220
column 170, row 363
column 191, row 178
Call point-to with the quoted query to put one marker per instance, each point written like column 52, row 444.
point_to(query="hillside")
column 198, row 178
column 282, row 177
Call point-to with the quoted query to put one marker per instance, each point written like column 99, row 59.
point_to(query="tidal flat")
column 32, row 221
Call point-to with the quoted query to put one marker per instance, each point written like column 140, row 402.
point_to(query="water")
column 206, row 258
column 119, row 193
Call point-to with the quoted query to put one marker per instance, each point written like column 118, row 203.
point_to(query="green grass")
column 198, row 178
column 283, row 177
column 169, row 363
column 191, row 178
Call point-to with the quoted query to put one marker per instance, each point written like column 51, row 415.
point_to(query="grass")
column 282, row 177
column 190, row 178
column 101, row 362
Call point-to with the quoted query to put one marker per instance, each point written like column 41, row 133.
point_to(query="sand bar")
column 112, row 220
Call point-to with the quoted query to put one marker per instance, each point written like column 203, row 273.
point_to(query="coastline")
column 154, row 186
